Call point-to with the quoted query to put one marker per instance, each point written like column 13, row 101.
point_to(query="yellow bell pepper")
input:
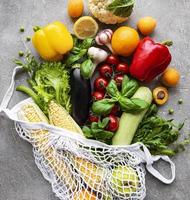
column 53, row 41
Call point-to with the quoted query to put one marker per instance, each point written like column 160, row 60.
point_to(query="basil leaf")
column 87, row 132
column 129, row 87
column 105, row 122
column 87, row 43
column 103, row 107
column 74, row 58
column 103, row 135
column 87, row 68
column 121, row 8
column 132, row 105
column 112, row 89
column 140, row 103
column 94, row 125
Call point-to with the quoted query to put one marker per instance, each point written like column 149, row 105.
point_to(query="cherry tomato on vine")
column 112, row 60
column 93, row 118
column 118, row 79
column 122, row 68
column 100, row 84
column 106, row 71
column 113, row 124
column 97, row 95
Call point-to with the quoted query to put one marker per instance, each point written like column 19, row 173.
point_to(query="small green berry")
column 28, row 38
column 171, row 111
column 22, row 29
column 180, row 101
column 21, row 53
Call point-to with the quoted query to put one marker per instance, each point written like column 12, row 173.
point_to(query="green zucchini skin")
column 129, row 122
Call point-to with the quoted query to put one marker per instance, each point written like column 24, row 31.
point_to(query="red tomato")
column 113, row 124
column 93, row 118
column 118, row 79
column 100, row 84
column 122, row 68
column 97, row 95
column 106, row 71
column 115, row 110
column 112, row 60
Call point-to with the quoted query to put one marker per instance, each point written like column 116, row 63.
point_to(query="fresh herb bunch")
column 123, row 98
column 158, row 133
column 97, row 131
column 79, row 52
column 48, row 80
column 121, row 8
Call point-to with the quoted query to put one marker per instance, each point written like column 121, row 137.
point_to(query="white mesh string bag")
column 82, row 169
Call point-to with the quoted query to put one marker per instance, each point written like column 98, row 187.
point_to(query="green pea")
column 28, row 38
column 180, row 101
column 21, row 53
column 171, row 111
column 22, row 29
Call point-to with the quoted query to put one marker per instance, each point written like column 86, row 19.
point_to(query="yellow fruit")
column 75, row 8
column 85, row 27
column 84, row 195
column 146, row 25
column 53, row 41
column 125, row 40
column 170, row 77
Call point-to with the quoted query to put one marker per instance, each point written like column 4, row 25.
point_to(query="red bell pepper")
column 150, row 59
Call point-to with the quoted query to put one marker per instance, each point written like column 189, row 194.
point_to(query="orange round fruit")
column 75, row 8
column 84, row 195
column 170, row 77
column 125, row 40
column 146, row 25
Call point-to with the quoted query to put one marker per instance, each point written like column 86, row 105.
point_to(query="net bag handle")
column 141, row 150
column 6, row 99
column 147, row 158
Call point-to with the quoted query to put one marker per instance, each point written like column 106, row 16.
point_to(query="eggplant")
column 80, row 97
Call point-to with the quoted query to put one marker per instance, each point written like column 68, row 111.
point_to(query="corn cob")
column 92, row 174
column 59, row 117
column 40, row 138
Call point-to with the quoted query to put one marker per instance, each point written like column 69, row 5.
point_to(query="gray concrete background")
column 19, row 177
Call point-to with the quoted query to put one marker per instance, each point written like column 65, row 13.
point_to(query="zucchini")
column 129, row 122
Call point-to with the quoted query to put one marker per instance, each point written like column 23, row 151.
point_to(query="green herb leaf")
column 87, row 68
column 132, row 105
column 129, row 87
column 103, row 106
column 121, row 8
column 105, row 122
column 87, row 132
column 112, row 89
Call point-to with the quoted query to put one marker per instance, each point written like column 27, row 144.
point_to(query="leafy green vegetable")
column 158, row 133
column 129, row 87
column 86, row 68
column 49, row 80
column 121, row 8
column 103, row 106
column 97, row 131
column 79, row 51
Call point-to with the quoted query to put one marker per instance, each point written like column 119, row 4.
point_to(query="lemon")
column 85, row 27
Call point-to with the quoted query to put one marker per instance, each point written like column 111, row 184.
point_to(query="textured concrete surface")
column 19, row 176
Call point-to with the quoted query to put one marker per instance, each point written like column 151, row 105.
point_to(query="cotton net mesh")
column 79, row 170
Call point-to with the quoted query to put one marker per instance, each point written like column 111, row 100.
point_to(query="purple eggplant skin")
column 80, row 97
